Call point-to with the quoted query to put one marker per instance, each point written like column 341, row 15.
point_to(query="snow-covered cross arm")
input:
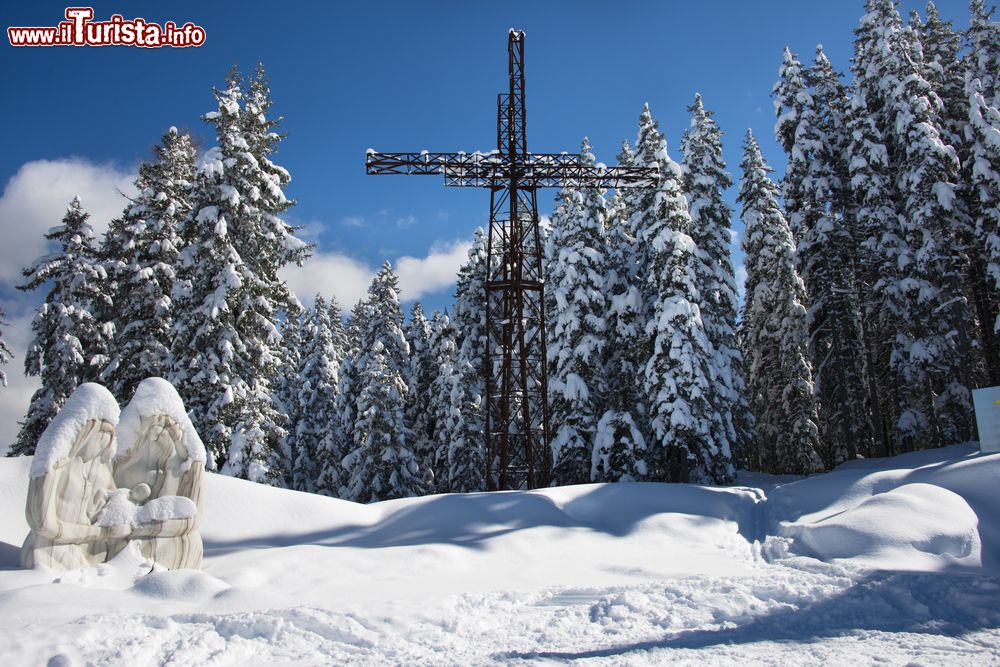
column 493, row 169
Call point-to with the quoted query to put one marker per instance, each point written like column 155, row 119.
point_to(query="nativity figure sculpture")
column 104, row 479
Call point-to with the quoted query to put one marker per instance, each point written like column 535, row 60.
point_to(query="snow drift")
column 900, row 553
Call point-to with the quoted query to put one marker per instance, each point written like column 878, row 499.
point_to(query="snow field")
column 604, row 574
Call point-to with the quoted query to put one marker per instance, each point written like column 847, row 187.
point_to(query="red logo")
column 79, row 29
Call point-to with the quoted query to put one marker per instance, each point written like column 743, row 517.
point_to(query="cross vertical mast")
column 516, row 426
column 515, row 406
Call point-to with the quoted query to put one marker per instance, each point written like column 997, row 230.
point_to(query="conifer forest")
column 870, row 310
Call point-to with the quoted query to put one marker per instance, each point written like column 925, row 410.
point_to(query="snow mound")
column 90, row 402
column 914, row 526
column 156, row 396
column 966, row 483
column 189, row 585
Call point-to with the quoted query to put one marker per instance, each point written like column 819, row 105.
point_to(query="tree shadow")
column 892, row 602
column 468, row 520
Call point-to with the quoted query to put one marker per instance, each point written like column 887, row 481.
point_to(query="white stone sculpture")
column 92, row 493
column 160, row 462
column 70, row 483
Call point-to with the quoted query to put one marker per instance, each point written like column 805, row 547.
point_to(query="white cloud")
column 426, row 275
column 329, row 273
column 348, row 278
column 35, row 199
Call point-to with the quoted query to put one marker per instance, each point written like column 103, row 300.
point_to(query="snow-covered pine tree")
column 774, row 329
column 620, row 445
column 945, row 72
column 420, row 371
column 286, row 391
column 982, row 61
column 980, row 169
column 825, row 258
column 379, row 324
column 333, row 446
column 140, row 252
column 984, row 129
column 230, row 297
column 71, row 345
column 444, row 354
column 316, row 403
column 705, row 180
column 466, row 444
column 6, row 354
column 576, row 327
column 792, row 101
column 464, row 427
column 935, row 354
column 383, row 322
column 878, row 233
column 350, row 369
column 686, row 443
column 877, row 217
column 381, row 466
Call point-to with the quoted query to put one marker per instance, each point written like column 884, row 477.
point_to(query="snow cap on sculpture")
column 156, row 396
column 89, row 402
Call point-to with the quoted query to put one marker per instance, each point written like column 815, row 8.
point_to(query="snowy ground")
column 894, row 561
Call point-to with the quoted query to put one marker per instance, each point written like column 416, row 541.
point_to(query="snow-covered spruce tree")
column 140, row 252
column 383, row 322
column 333, row 446
column 381, row 466
column 705, row 180
column 982, row 90
column 945, row 72
column 880, row 245
column 982, row 61
column 71, row 345
column 6, row 354
column 285, row 395
column 443, row 345
column 350, row 368
column 935, row 354
column 316, row 403
column 792, row 102
column 420, row 370
column 466, row 453
column 825, row 258
column 877, row 219
column 984, row 129
column 774, row 329
column 620, row 445
column 576, row 327
column 379, row 323
column 466, row 445
column 229, row 296
column 687, row 444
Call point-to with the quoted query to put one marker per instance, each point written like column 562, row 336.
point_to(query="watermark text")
column 80, row 29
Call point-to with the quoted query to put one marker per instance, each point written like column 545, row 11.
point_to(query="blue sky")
column 413, row 75
column 393, row 76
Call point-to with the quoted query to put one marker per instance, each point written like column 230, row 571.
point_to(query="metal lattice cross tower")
column 516, row 412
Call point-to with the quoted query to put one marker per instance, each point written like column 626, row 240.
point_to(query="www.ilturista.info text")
column 79, row 29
